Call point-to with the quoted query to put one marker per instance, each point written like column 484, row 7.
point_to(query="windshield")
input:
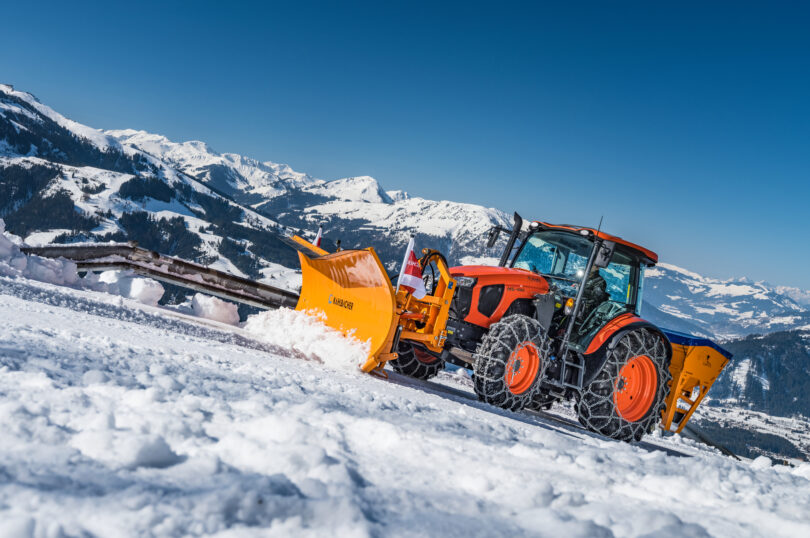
column 562, row 257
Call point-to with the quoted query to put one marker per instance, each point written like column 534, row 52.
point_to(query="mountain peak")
column 355, row 189
column 398, row 195
column 156, row 143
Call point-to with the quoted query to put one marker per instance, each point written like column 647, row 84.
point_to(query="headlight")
column 569, row 306
column 465, row 281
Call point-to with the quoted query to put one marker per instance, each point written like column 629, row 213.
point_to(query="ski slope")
column 123, row 419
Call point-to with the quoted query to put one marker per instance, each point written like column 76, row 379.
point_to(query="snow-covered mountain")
column 726, row 309
column 770, row 373
column 63, row 181
column 244, row 179
column 356, row 210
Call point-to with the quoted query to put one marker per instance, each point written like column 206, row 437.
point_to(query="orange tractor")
column 559, row 318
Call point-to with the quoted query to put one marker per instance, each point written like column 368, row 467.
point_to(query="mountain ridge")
column 238, row 207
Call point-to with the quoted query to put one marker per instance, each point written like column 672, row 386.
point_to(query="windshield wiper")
column 560, row 278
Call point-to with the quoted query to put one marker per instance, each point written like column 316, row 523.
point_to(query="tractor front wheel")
column 626, row 398
column 415, row 362
column 510, row 362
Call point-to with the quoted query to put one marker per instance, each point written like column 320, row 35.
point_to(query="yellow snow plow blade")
column 696, row 363
column 352, row 290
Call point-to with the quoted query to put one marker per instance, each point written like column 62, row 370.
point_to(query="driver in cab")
column 594, row 294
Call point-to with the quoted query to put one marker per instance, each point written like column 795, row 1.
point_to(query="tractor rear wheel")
column 415, row 362
column 626, row 398
column 510, row 362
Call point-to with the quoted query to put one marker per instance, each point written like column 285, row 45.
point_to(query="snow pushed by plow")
column 307, row 334
column 117, row 422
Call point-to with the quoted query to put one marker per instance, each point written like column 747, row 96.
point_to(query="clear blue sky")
column 686, row 126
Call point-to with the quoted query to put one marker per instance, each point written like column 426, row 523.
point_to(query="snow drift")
column 126, row 284
column 14, row 263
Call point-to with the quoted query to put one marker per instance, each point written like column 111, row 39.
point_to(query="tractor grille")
column 489, row 299
column 462, row 301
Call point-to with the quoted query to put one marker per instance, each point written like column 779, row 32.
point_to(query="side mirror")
column 492, row 237
column 605, row 254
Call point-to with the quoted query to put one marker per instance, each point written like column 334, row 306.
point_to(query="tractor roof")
column 649, row 255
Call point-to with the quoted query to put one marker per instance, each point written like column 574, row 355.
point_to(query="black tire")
column 415, row 363
column 504, row 341
column 597, row 407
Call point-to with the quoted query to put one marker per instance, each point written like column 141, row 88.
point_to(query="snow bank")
column 308, row 335
column 205, row 306
column 16, row 264
column 126, row 284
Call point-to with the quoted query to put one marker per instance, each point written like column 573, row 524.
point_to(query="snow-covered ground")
column 121, row 419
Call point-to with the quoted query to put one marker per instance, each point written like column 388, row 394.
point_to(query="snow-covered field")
column 122, row 419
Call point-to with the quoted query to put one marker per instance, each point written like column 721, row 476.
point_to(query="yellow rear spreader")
column 695, row 364
column 352, row 291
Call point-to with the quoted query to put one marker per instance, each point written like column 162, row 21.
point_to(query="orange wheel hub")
column 522, row 368
column 423, row 356
column 635, row 388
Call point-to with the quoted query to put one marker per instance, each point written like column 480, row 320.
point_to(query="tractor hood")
column 486, row 293
column 519, row 279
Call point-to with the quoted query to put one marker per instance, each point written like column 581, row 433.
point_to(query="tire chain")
column 406, row 363
column 595, row 407
column 493, row 353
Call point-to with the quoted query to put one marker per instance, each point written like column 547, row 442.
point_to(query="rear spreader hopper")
column 559, row 318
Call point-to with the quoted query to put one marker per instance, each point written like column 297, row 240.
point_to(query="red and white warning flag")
column 410, row 277
column 317, row 241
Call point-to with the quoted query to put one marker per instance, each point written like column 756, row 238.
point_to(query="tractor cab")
column 593, row 277
column 611, row 283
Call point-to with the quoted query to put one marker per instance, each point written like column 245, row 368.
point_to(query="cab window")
column 620, row 278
